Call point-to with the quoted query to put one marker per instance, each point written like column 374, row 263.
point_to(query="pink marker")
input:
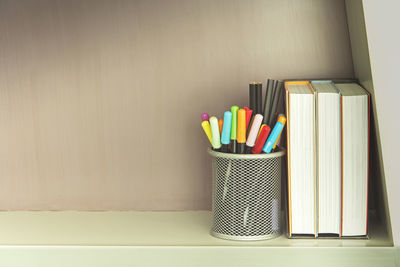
column 255, row 127
column 204, row 117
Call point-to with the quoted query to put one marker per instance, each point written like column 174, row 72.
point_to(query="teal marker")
column 274, row 134
column 234, row 110
column 226, row 131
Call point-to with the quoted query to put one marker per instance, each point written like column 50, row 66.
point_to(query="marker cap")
column 251, row 139
column 220, row 125
column 262, row 125
column 204, row 117
column 241, row 131
column 261, row 140
column 216, row 142
column 207, row 130
column 226, row 128
column 282, row 119
column 234, row 110
column 248, row 116
column 274, row 135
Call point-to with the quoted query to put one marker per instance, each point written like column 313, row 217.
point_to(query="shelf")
column 118, row 228
column 71, row 238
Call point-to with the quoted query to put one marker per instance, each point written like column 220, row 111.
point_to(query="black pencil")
column 258, row 98
column 267, row 103
column 275, row 100
column 252, row 97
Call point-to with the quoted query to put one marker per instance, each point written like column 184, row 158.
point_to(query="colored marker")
column 241, row 131
column 248, row 118
column 234, row 110
column 216, row 141
column 262, row 125
column 261, row 140
column 251, row 139
column 274, row 135
column 220, row 124
column 204, row 117
column 279, row 137
column 226, row 131
column 277, row 143
column 207, row 130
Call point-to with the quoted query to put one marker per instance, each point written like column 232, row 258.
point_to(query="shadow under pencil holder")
column 246, row 201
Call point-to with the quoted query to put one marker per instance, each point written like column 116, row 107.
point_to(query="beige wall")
column 100, row 101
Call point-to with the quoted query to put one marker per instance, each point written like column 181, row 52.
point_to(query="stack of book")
column 328, row 140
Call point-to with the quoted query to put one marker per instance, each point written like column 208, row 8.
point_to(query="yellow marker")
column 207, row 130
column 220, row 124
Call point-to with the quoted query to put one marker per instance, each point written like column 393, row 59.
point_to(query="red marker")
column 262, row 138
column 248, row 116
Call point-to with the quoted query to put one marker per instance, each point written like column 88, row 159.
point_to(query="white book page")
column 302, row 165
column 355, row 165
column 329, row 162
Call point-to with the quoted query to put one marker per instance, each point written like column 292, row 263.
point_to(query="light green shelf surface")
column 135, row 228
column 68, row 238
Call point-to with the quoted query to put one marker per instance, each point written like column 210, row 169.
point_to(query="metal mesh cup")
column 246, row 195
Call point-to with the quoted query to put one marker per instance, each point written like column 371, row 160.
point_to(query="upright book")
column 328, row 157
column 355, row 122
column 300, row 110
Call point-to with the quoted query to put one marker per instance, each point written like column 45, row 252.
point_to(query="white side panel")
column 382, row 25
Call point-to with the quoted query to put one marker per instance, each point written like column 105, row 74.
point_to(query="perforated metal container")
column 246, row 195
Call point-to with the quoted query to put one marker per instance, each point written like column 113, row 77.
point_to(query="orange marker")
column 241, row 131
column 220, row 124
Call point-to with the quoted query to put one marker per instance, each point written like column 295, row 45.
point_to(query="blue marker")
column 226, row 131
column 274, row 134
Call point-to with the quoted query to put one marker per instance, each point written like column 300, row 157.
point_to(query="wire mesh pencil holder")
column 246, row 201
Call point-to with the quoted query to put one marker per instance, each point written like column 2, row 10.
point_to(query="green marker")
column 234, row 110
